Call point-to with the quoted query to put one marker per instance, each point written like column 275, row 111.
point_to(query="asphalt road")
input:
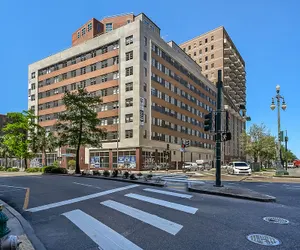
column 80, row 213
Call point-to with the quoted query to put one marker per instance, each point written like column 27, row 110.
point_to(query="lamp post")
column 283, row 106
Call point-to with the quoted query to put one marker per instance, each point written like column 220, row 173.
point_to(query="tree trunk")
column 77, row 169
column 45, row 157
column 25, row 159
column 6, row 162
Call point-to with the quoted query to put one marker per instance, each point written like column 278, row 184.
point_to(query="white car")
column 190, row 166
column 238, row 167
column 290, row 165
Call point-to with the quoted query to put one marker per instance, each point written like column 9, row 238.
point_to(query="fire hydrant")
column 10, row 242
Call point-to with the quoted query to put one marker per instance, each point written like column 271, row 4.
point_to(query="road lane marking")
column 26, row 200
column 78, row 199
column 168, row 193
column 175, row 206
column 12, row 186
column 153, row 220
column 86, row 185
column 105, row 237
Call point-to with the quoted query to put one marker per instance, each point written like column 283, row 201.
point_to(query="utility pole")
column 286, row 148
column 218, row 128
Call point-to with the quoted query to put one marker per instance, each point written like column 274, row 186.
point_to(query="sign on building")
column 142, row 111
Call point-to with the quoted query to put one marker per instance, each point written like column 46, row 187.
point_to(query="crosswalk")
column 106, row 238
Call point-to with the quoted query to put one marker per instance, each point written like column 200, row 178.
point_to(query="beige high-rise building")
column 213, row 51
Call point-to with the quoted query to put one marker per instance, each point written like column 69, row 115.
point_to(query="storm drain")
column 264, row 240
column 276, row 220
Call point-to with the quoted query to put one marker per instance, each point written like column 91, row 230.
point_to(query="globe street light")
column 283, row 106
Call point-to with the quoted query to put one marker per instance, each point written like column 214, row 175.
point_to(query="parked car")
column 290, row 165
column 190, row 166
column 238, row 167
column 297, row 163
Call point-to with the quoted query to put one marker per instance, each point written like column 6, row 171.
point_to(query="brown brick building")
column 154, row 96
column 215, row 50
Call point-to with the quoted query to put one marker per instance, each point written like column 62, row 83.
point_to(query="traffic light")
column 187, row 143
column 208, row 122
column 227, row 121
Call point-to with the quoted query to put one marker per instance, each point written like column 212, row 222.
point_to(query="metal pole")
column 218, row 132
column 279, row 166
column 286, row 148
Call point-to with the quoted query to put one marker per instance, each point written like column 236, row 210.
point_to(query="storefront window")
column 148, row 160
column 127, row 159
column 99, row 159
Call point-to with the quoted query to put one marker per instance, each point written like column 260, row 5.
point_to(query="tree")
column 258, row 143
column 44, row 142
column 4, row 151
column 17, row 131
column 71, row 164
column 78, row 125
column 288, row 155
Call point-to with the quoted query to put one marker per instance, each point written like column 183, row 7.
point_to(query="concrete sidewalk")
column 21, row 228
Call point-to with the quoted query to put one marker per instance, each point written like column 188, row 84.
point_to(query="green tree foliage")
column 288, row 155
column 71, row 164
column 78, row 125
column 259, row 144
column 17, row 131
column 4, row 151
column 43, row 142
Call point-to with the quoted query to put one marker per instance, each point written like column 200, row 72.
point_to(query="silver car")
column 239, row 167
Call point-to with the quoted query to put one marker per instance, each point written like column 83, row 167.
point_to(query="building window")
column 78, row 34
column 64, row 76
column 212, row 56
column 145, row 56
column 129, row 55
column 189, row 47
column 32, row 75
column 212, row 47
column 129, row 133
column 129, row 71
column 32, row 86
column 104, row 78
column 200, row 60
column 82, row 58
column 145, row 72
column 73, row 86
column 145, row 87
column 108, row 27
column 145, row 41
column 93, row 53
column 206, row 75
column 129, row 86
column 212, row 65
column 195, row 53
column 116, row 75
column 129, row 102
column 145, row 134
column 200, row 43
column 206, row 58
column 73, row 60
column 82, row 84
column 64, row 64
column 128, row 118
column 212, row 38
column 32, row 98
column 129, row 40
column 93, row 67
column 64, row 89
column 206, row 67
column 83, row 71
column 206, row 49
column 90, row 27
column 200, row 52
column 73, row 73
column 184, row 49
column 83, row 32
column 206, row 40
column 93, row 81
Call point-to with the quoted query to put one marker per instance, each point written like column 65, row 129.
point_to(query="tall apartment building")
column 154, row 95
column 213, row 51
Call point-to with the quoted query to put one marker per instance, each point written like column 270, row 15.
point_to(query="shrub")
column 56, row 164
column 115, row 173
column 13, row 170
column 48, row 169
column 33, row 170
column 71, row 164
column 96, row 172
column 132, row 177
column 2, row 168
column 59, row 171
column 106, row 173
column 126, row 175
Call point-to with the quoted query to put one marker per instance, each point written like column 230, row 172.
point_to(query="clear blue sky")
column 265, row 32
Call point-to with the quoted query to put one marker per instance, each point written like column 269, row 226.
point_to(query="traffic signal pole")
column 218, row 128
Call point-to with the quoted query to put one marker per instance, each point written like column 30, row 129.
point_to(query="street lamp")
column 278, row 97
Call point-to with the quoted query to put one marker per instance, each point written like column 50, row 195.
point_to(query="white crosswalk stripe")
column 164, row 203
column 168, row 193
column 105, row 237
column 158, row 222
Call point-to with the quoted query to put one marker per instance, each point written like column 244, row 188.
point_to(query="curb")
column 113, row 179
column 286, row 176
column 270, row 199
column 37, row 244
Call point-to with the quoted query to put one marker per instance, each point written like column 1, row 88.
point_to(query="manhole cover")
column 276, row 220
column 264, row 240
